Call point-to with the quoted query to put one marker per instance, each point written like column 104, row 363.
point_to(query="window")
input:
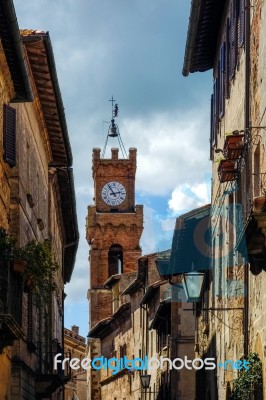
column 221, row 79
column 123, row 350
column 115, row 260
column 233, row 30
column 9, row 135
column 241, row 23
column 214, row 117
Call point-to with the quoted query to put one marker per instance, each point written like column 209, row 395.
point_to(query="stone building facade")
column 37, row 188
column 75, row 347
column 149, row 321
column 237, row 279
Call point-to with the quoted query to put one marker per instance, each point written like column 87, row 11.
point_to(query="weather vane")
column 113, row 130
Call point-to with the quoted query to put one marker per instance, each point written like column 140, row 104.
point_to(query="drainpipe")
column 247, row 125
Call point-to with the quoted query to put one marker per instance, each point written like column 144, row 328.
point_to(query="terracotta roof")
column 203, row 30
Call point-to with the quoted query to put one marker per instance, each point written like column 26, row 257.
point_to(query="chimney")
column 75, row 329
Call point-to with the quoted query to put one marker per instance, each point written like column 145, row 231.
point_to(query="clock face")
column 113, row 193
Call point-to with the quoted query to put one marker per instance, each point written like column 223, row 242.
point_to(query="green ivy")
column 248, row 385
column 40, row 267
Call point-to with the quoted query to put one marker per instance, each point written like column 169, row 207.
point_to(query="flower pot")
column 19, row 266
column 234, row 146
column 227, row 170
column 260, row 203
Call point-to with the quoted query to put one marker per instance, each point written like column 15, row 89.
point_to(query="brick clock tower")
column 114, row 227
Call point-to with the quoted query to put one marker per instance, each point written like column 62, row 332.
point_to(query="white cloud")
column 186, row 197
column 172, row 149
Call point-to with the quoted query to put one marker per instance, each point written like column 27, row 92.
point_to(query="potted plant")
column 39, row 268
column 260, row 202
column 234, row 145
column 227, row 170
column 8, row 251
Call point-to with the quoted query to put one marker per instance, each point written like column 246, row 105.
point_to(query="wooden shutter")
column 221, row 73
column 211, row 130
column 227, row 51
column 233, row 38
column 241, row 23
column 216, row 108
column 9, row 135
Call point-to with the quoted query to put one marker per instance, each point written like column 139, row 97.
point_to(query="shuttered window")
column 221, row 74
column 211, row 131
column 241, row 23
column 233, row 38
column 215, row 109
column 227, row 48
column 9, row 135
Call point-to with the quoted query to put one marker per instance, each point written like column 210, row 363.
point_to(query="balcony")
column 10, row 304
column 227, row 170
column 48, row 379
column 234, row 146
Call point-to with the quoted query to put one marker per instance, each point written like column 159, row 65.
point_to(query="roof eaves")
column 203, row 32
column 35, row 36
column 138, row 282
column 160, row 310
column 110, row 281
column 150, row 291
column 69, row 214
column 16, row 58
column 191, row 35
column 104, row 327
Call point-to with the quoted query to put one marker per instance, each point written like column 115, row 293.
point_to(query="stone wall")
column 257, row 284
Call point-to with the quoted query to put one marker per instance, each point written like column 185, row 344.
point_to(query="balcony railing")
column 50, row 379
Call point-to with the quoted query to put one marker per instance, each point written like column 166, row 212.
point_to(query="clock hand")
column 114, row 194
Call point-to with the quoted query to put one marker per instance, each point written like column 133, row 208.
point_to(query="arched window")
column 115, row 260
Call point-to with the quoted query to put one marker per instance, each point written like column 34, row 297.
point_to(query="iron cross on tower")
column 114, row 108
column 113, row 130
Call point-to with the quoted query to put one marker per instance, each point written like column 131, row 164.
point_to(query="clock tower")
column 114, row 227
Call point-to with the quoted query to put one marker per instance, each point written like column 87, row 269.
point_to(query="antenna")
column 113, row 130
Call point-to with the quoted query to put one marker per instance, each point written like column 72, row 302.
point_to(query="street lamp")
column 145, row 381
column 192, row 283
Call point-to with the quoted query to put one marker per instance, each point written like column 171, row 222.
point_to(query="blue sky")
column 134, row 51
